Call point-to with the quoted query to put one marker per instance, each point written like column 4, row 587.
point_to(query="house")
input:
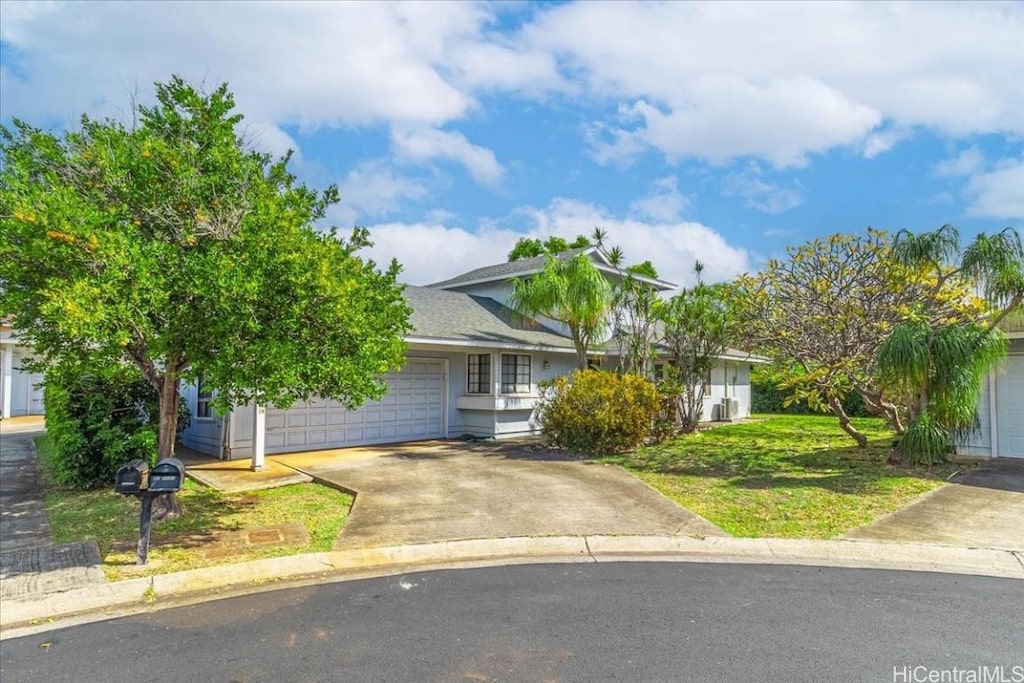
column 1001, row 405
column 21, row 391
column 473, row 368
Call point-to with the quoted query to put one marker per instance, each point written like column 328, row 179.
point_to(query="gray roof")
column 443, row 314
column 507, row 270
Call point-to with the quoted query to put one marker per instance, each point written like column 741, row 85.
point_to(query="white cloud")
column 664, row 203
column 426, row 144
column 782, row 121
column 431, row 251
column 966, row 163
column 267, row 137
column 779, row 232
column 998, row 193
column 710, row 80
column 783, row 80
column 308, row 63
column 882, row 141
column 760, row 194
column 372, row 190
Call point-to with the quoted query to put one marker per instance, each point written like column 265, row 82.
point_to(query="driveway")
column 983, row 508
column 448, row 491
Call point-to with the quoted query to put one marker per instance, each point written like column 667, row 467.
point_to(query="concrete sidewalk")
column 31, row 566
column 134, row 596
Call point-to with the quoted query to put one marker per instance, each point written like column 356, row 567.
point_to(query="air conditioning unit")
column 729, row 409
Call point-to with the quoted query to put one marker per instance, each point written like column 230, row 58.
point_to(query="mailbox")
column 167, row 476
column 132, row 477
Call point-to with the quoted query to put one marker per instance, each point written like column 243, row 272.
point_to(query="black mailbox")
column 132, row 477
column 167, row 476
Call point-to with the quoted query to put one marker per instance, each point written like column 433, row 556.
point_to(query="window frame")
column 204, row 411
column 482, row 382
column 518, row 365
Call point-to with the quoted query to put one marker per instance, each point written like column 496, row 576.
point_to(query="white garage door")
column 1010, row 409
column 412, row 410
column 26, row 388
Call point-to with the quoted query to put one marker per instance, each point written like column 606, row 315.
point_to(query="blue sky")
column 714, row 131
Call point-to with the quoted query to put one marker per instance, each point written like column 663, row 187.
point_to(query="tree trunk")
column 844, row 422
column 890, row 411
column 167, row 505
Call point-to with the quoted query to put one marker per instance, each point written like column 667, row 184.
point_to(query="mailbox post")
column 136, row 479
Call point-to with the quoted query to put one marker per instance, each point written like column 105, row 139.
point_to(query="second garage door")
column 412, row 410
column 1010, row 409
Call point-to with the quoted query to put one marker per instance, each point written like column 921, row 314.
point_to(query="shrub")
column 767, row 397
column 596, row 412
column 98, row 418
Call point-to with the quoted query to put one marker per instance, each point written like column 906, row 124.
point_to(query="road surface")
column 650, row 621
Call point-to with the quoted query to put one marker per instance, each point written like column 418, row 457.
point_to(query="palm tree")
column 571, row 291
column 938, row 368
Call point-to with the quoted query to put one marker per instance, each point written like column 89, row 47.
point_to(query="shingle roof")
column 443, row 314
column 507, row 270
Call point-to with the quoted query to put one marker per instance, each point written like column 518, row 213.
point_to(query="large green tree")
column 827, row 307
column 937, row 366
column 172, row 246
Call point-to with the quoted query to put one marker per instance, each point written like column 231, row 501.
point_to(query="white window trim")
column 490, row 375
column 501, row 378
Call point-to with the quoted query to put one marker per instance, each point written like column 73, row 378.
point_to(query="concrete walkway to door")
column 450, row 491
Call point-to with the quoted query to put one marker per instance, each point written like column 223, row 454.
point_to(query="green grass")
column 113, row 520
column 795, row 476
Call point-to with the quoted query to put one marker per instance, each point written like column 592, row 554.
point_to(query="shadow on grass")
column 777, row 456
column 113, row 519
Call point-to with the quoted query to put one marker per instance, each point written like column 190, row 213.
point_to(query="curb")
column 133, row 596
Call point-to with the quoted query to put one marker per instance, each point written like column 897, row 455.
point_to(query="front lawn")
column 783, row 475
column 301, row 518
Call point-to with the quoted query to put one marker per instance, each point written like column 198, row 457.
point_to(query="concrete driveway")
column 983, row 508
column 448, row 491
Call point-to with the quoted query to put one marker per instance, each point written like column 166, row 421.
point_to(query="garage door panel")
column 412, row 409
column 1010, row 409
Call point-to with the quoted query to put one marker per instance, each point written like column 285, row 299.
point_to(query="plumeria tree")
column 827, row 307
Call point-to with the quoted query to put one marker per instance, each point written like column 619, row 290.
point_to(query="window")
column 479, row 373
column 204, row 410
column 515, row 374
column 707, row 382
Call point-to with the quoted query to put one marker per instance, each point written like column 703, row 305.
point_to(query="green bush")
column 595, row 412
column 767, row 398
column 99, row 418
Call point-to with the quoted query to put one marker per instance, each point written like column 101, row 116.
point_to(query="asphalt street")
column 652, row 621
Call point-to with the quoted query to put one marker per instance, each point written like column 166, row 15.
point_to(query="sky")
column 721, row 132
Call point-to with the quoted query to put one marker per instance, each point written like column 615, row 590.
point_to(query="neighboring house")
column 473, row 368
column 1001, row 407
column 21, row 392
